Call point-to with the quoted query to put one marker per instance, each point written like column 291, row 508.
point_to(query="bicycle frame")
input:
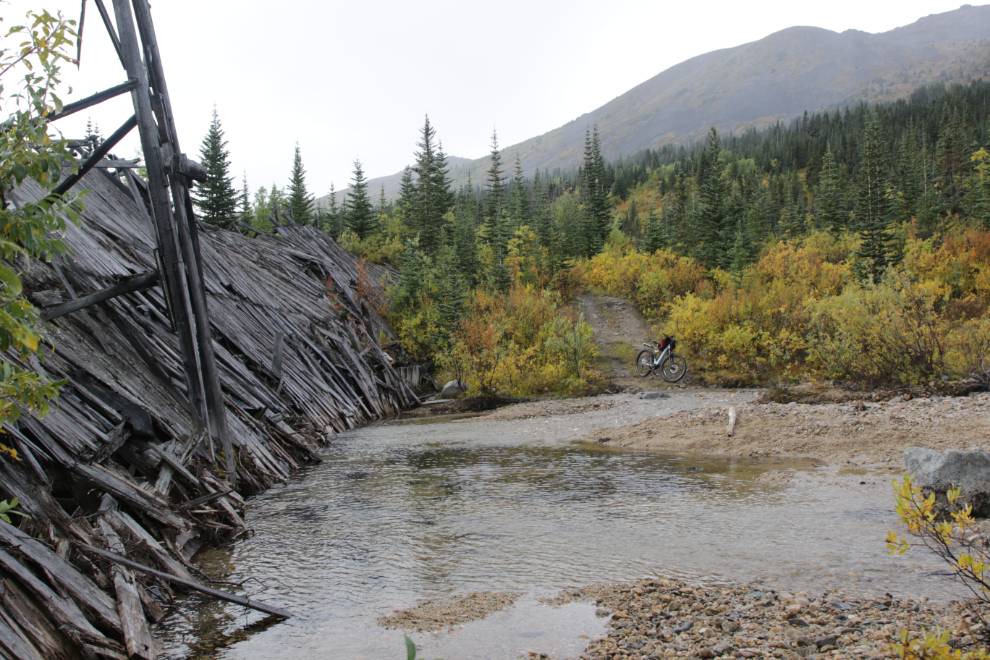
column 658, row 357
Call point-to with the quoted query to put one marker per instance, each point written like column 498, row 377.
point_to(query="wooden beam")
column 188, row 584
column 90, row 101
column 91, row 162
column 135, row 283
column 161, row 206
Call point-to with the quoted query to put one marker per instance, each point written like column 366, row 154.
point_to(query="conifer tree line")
column 862, row 169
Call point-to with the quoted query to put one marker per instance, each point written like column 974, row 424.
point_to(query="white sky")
column 355, row 79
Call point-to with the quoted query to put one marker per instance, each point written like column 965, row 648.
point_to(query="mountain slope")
column 756, row 84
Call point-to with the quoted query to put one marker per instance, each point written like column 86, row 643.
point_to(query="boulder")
column 452, row 389
column 967, row 470
column 938, row 472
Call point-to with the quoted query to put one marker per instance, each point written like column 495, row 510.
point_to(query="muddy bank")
column 661, row 618
column 859, row 433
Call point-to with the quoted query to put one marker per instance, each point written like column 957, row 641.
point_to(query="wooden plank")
column 68, row 577
column 62, row 609
column 129, row 493
column 188, row 584
column 13, row 639
column 51, row 642
column 137, row 636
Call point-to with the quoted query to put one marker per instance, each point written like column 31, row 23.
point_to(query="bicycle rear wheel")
column 644, row 362
column 673, row 368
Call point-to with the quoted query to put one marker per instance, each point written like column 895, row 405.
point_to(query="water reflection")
column 399, row 513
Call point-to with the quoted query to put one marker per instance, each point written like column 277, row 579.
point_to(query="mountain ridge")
column 753, row 85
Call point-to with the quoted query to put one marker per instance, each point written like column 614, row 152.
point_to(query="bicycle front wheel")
column 673, row 368
column 644, row 362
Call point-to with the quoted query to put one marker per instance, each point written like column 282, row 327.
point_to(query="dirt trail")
column 620, row 331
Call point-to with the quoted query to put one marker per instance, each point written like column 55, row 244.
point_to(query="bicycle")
column 660, row 355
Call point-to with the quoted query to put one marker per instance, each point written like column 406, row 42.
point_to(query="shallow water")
column 400, row 512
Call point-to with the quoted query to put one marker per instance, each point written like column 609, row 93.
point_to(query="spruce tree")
column 433, row 197
column 333, row 219
column 952, row 160
column 382, row 207
column 520, row 198
column 246, row 211
column 465, row 242
column 300, row 200
column 654, row 238
column 216, row 197
column 407, row 191
column 542, row 219
column 712, row 214
column 594, row 193
column 874, row 207
column 495, row 183
column 360, row 214
column 831, row 205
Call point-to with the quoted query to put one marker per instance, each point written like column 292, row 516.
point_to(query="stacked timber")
column 121, row 485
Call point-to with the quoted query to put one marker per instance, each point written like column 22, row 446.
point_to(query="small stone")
column 827, row 640
column 722, row 648
column 797, row 637
column 730, row 626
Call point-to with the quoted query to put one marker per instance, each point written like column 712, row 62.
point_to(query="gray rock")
column 722, row 648
column 452, row 389
column 730, row 626
column 827, row 640
column 967, row 470
column 653, row 395
column 797, row 637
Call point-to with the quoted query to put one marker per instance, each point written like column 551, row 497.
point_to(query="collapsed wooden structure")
column 120, row 465
column 200, row 366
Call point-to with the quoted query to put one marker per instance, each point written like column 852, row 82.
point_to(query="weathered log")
column 189, row 584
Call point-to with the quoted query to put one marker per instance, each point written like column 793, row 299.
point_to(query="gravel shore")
column 860, row 432
column 662, row 618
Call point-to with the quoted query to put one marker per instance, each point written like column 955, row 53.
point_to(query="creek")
column 409, row 510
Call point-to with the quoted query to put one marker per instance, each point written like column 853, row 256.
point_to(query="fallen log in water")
column 122, row 470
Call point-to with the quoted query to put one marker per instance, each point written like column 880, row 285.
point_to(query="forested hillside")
column 787, row 252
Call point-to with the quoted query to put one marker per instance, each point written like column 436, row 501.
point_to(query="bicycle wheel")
column 673, row 368
column 644, row 362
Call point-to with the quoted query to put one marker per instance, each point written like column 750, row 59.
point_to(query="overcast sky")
column 355, row 79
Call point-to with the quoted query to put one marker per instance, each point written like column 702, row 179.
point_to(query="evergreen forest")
column 850, row 245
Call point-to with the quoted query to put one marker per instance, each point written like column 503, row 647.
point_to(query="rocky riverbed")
column 662, row 618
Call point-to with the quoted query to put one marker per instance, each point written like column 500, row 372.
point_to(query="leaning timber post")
column 174, row 280
column 189, row 243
